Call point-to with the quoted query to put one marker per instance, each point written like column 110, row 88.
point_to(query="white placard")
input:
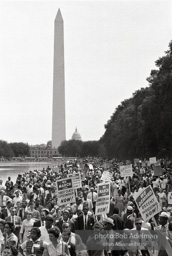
column 147, row 203
column 126, row 170
column 103, row 199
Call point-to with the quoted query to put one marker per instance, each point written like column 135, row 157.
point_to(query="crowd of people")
column 32, row 222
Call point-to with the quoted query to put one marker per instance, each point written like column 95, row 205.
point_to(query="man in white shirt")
column 93, row 197
column 17, row 198
column 44, row 229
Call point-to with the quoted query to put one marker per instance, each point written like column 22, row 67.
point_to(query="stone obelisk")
column 59, row 124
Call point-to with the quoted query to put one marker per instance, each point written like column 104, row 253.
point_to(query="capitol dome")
column 76, row 135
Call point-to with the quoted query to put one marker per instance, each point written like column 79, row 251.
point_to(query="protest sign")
column 76, row 180
column 103, row 199
column 170, row 197
column 152, row 160
column 106, row 176
column 147, row 203
column 157, row 170
column 65, row 191
column 126, row 170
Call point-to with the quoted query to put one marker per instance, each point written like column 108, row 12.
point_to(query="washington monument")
column 58, row 122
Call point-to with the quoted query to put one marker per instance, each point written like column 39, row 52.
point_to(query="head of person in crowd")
column 78, row 200
column 2, row 225
column 138, row 223
column 2, row 192
column 9, row 204
column 32, row 205
column 18, row 205
column 66, row 226
column 98, row 227
column 10, row 251
column 70, row 212
column 54, row 234
column 35, row 233
column 13, row 211
column 65, row 215
column 50, row 205
column 108, row 224
column 23, row 204
column 79, row 212
column 44, row 213
column 116, row 210
column 17, row 193
column 66, row 235
column 8, row 228
column 130, row 209
column 28, row 215
column 85, row 208
column 37, row 202
column 49, row 221
column 163, row 218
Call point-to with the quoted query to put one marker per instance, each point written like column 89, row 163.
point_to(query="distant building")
column 76, row 135
column 43, row 151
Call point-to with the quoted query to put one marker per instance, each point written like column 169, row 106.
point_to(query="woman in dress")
column 56, row 247
column 26, row 227
column 120, row 202
column 10, row 238
column 31, row 208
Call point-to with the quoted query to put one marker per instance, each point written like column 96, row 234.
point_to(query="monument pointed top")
column 59, row 16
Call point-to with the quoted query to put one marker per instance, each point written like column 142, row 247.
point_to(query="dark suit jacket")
column 118, row 222
column 71, row 248
column 80, row 223
column 22, row 214
column 4, row 211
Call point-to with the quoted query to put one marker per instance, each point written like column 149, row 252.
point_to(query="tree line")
column 141, row 126
column 77, row 148
column 16, row 149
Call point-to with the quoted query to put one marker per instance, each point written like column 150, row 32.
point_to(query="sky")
column 110, row 49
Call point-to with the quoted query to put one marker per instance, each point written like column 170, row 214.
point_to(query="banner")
column 126, row 170
column 103, row 199
column 65, row 192
column 147, row 203
column 76, row 180
column 157, row 170
column 170, row 197
column 152, row 160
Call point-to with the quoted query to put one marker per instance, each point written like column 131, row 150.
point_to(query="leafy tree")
column 20, row 149
column 142, row 125
column 5, row 150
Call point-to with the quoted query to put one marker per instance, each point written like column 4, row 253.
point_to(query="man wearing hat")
column 163, row 221
column 96, row 242
column 129, row 217
column 163, row 236
column 65, row 218
column 108, row 225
